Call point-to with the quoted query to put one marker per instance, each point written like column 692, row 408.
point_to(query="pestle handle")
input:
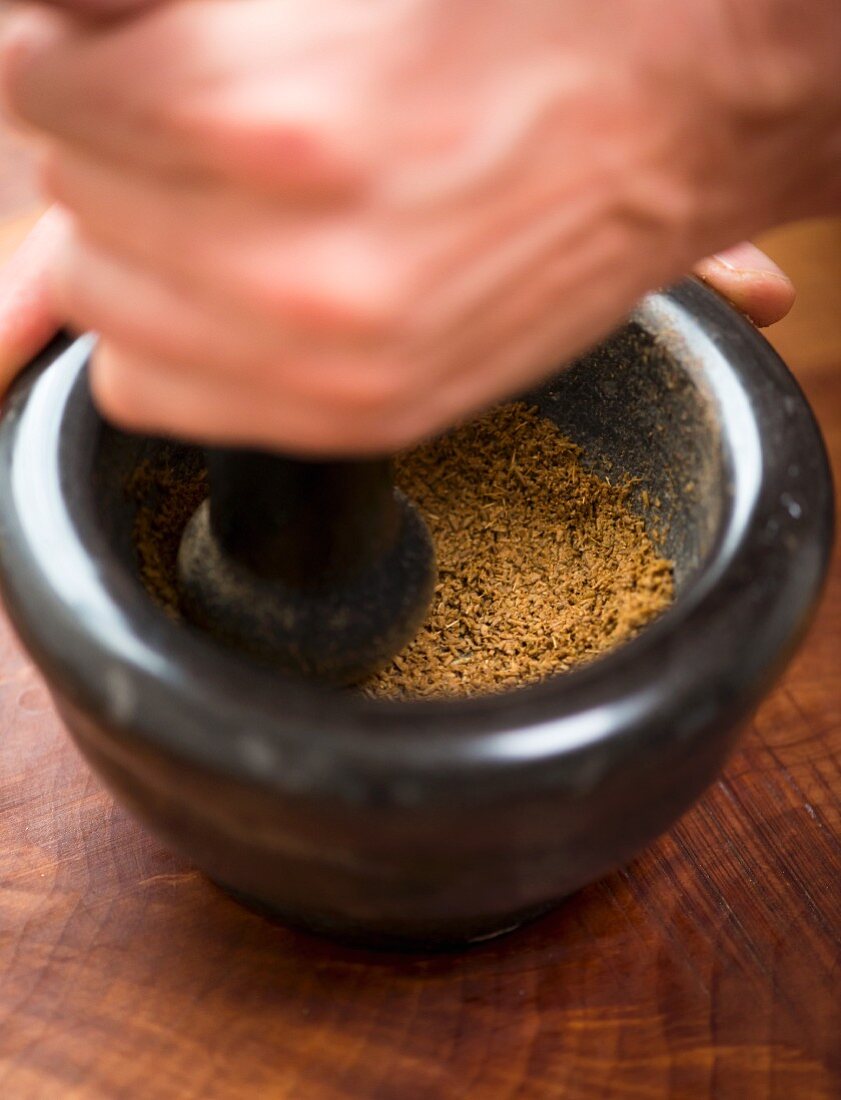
column 308, row 524
column 322, row 569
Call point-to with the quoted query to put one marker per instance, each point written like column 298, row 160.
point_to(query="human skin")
column 29, row 317
column 337, row 228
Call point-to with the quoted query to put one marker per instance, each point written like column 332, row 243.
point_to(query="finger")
column 248, row 252
column 150, row 395
column 751, row 281
column 142, row 310
column 104, row 10
column 28, row 317
column 95, row 290
column 209, row 346
column 166, row 91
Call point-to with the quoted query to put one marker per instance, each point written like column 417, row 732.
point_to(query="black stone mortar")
column 435, row 823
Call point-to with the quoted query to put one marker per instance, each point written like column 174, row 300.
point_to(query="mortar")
column 443, row 822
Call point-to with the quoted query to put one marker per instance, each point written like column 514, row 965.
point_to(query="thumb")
column 28, row 319
column 751, row 281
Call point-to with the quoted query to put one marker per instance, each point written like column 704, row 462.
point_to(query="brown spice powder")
column 166, row 497
column 542, row 564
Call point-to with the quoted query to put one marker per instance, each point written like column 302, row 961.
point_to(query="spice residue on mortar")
column 542, row 564
column 166, row 496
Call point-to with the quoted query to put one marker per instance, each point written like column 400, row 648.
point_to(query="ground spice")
column 166, row 496
column 542, row 564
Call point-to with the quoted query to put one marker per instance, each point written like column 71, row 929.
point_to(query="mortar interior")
column 638, row 411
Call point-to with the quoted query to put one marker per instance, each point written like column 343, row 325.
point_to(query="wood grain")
column 708, row 968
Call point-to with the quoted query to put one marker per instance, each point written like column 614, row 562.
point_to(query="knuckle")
column 298, row 155
column 279, row 151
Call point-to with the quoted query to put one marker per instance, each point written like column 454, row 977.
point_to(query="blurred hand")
column 338, row 227
column 29, row 319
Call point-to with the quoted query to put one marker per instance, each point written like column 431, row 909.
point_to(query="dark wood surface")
column 710, row 967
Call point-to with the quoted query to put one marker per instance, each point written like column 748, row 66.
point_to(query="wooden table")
column 708, row 968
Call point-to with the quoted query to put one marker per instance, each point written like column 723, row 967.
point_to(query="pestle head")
column 323, row 570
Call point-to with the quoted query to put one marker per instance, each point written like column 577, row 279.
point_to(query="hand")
column 747, row 277
column 336, row 228
column 28, row 317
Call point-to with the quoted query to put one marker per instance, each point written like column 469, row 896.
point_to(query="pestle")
column 321, row 568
